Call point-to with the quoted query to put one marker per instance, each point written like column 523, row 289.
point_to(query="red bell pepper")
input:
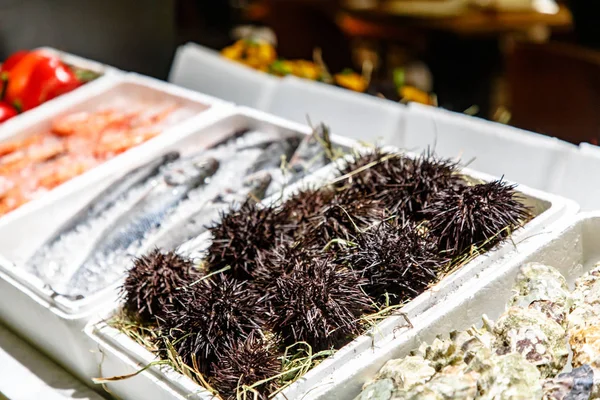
column 13, row 60
column 19, row 75
column 6, row 111
column 50, row 78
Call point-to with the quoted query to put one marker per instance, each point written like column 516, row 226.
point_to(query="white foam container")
column 51, row 322
column 358, row 116
column 199, row 68
column 521, row 156
column 578, row 178
column 572, row 249
column 122, row 355
column 106, row 71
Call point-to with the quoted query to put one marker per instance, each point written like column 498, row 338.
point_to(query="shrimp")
column 60, row 171
column 89, row 124
column 11, row 200
column 7, row 148
column 112, row 143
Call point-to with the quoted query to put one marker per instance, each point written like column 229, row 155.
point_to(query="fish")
column 197, row 223
column 315, row 151
column 272, row 156
column 113, row 193
column 49, row 264
column 101, row 265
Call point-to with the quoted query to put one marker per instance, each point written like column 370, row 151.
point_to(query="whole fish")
column 189, row 227
column 274, row 153
column 113, row 193
column 102, row 265
column 48, row 262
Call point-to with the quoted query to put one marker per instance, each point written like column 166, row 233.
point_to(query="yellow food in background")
column 261, row 55
column 352, row 81
column 410, row 93
column 255, row 54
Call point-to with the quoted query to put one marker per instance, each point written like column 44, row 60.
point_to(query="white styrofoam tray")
column 27, row 374
column 117, row 346
column 572, row 249
column 51, row 322
column 106, row 71
column 355, row 115
column 199, row 68
column 577, row 178
column 525, row 157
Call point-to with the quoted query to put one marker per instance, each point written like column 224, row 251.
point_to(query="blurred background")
column 530, row 63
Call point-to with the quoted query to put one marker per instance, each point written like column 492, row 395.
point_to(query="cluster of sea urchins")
column 308, row 270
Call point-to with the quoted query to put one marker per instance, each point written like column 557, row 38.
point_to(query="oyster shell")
column 582, row 316
column 543, row 288
column 377, row 390
column 541, row 340
column 574, row 385
column 450, row 384
column 585, row 344
column 407, row 372
column 511, row 376
column 587, row 287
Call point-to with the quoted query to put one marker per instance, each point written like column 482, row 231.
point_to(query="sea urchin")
column 240, row 236
column 210, row 314
column 152, row 282
column 479, row 215
column 244, row 363
column 319, row 304
column 397, row 260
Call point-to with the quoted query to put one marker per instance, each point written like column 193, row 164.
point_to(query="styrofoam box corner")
column 199, row 68
column 550, row 209
column 521, row 156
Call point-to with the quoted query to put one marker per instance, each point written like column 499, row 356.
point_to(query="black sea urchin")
column 210, row 314
column 244, row 363
column 396, row 260
column 344, row 217
column 480, row 215
column 240, row 236
column 152, row 282
column 425, row 177
column 405, row 186
column 318, row 304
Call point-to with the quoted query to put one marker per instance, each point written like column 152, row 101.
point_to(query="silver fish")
column 54, row 259
column 198, row 222
column 131, row 227
column 273, row 154
column 315, row 151
column 113, row 193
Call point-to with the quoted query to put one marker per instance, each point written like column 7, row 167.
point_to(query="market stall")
column 205, row 239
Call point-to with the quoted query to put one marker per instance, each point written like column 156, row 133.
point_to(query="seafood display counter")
column 160, row 243
column 132, row 371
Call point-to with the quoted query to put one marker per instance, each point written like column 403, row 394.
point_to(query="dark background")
column 137, row 35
